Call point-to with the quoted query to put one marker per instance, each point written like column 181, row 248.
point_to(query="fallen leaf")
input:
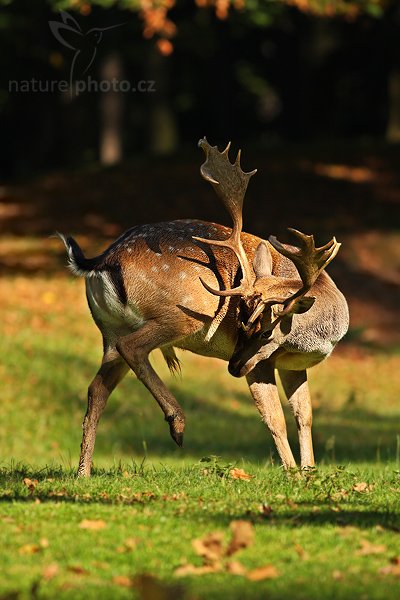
column 58, row 493
column 363, row 487
column 123, row 581
column 265, row 510
column 77, row 569
column 234, row 567
column 240, row 474
column 210, row 546
column 44, row 543
column 340, row 495
column 367, row 548
column 393, row 568
column 266, row 572
column 30, row 484
column 301, row 552
column 347, row 531
column 128, row 545
column 29, row 549
column 337, row 575
column 242, row 536
column 189, row 569
column 50, row 571
column 93, row 525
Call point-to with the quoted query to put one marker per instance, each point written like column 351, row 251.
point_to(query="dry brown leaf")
column 210, row 547
column 7, row 519
column 189, row 569
column 77, row 569
column 367, row 548
column 93, row 525
column 347, row 531
column 265, row 510
column 266, row 572
column 59, row 493
column 29, row 549
column 301, row 552
column 337, row 575
column 128, row 545
column 30, row 483
column 50, row 571
column 393, row 568
column 242, row 536
column 123, row 581
column 234, row 567
column 362, row 487
column 240, row 474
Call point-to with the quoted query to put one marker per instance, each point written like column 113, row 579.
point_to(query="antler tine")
column 309, row 261
column 230, row 183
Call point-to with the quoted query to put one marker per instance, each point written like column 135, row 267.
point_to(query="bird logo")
column 69, row 33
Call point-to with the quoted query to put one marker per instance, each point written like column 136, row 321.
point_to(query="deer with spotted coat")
column 261, row 305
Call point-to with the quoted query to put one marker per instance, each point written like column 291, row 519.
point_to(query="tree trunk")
column 111, row 107
column 162, row 131
column 393, row 127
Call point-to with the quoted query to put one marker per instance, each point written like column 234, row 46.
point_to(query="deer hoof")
column 176, row 428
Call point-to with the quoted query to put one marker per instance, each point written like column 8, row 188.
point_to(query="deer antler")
column 230, row 183
column 309, row 262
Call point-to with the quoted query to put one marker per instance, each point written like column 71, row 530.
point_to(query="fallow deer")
column 262, row 306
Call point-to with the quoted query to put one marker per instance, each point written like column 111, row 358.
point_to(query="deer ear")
column 262, row 263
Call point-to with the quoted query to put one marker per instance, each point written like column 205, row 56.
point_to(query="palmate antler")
column 309, row 261
column 230, row 183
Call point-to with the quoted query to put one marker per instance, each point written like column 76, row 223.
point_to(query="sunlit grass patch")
column 334, row 530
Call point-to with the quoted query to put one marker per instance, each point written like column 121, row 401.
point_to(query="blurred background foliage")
column 257, row 71
column 310, row 89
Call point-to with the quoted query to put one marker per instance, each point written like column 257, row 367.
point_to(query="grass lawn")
column 126, row 532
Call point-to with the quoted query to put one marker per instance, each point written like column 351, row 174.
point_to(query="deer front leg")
column 263, row 388
column 112, row 370
column 135, row 349
column 295, row 386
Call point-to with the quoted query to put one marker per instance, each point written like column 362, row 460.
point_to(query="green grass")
column 146, row 489
column 312, row 536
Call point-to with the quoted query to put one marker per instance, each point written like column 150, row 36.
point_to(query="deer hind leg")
column 135, row 349
column 295, row 386
column 112, row 370
column 262, row 384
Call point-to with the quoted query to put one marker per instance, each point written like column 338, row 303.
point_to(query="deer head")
column 267, row 303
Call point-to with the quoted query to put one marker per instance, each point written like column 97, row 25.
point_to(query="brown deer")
column 217, row 292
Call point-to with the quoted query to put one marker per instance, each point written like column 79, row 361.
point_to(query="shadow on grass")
column 219, row 422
